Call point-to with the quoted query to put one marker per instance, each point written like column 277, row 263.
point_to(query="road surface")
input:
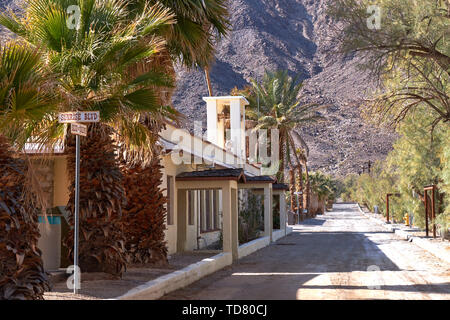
column 339, row 255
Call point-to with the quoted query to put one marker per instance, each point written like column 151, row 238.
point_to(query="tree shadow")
column 279, row 271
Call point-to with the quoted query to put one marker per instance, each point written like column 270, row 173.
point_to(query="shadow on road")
column 319, row 256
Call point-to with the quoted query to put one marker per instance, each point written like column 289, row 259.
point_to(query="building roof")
column 223, row 174
column 259, row 179
column 220, row 174
column 280, row 186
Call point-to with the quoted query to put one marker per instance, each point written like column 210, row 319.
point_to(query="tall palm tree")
column 190, row 41
column 280, row 108
column 23, row 100
column 323, row 186
column 302, row 155
column 98, row 67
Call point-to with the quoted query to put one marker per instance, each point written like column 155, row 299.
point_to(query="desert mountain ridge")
column 294, row 35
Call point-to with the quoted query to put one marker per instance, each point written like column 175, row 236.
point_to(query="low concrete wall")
column 278, row 234
column 155, row 289
column 252, row 246
column 208, row 238
column 260, row 243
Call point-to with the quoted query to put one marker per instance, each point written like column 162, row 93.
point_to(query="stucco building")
column 204, row 175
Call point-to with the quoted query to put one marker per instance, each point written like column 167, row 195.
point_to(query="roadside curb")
column 155, row 289
column 423, row 243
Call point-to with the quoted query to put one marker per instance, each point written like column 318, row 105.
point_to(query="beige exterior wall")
column 170, row 169
column 194, row 148
column 61, row 182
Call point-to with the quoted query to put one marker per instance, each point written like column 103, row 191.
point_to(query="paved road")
column 339, row 255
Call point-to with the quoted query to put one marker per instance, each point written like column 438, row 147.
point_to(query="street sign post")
column 78, row 129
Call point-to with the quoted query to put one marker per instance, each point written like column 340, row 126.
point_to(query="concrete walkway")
column 340, row 255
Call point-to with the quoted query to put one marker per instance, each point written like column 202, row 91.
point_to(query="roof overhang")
column 224, row 174
column 280, row 186
column 208, row 175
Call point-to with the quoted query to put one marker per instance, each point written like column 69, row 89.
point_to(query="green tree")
column 418, row 159
column 24, row 99
column 280, row 108
column 96, row 65
column 409, row 52
column 189, row 40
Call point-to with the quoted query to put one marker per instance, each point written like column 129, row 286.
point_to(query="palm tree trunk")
column 208, row 82
column 292, row 188
column 281, row 169
column 300, row 188
column 308, row 190
column 145, row 213
column 101, row 247
column 22, row 274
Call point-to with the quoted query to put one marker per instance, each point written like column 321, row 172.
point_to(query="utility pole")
column 432, row 215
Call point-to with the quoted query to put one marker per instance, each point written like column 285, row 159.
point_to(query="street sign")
column 78, row 129
column 79, row 116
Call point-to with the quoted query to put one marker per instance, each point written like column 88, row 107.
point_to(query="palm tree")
column 302, row 156
column 189, row 40
column 323, row 186
column 98, row 67
column 23, row 100
column 280, row 109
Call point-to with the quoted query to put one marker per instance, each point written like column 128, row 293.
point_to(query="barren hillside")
column 294, row 35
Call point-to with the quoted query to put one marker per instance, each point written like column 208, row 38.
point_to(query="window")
column 170, row 200
column 209, row 210
column 201, row 210
column 216, row 209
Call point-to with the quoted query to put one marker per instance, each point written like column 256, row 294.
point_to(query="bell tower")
column 226, row 123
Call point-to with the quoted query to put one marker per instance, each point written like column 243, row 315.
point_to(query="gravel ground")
column 98, row 286
column 339, row 255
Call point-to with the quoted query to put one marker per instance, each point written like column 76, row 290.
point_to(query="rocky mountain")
column 5, row 5
column 294, row 35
